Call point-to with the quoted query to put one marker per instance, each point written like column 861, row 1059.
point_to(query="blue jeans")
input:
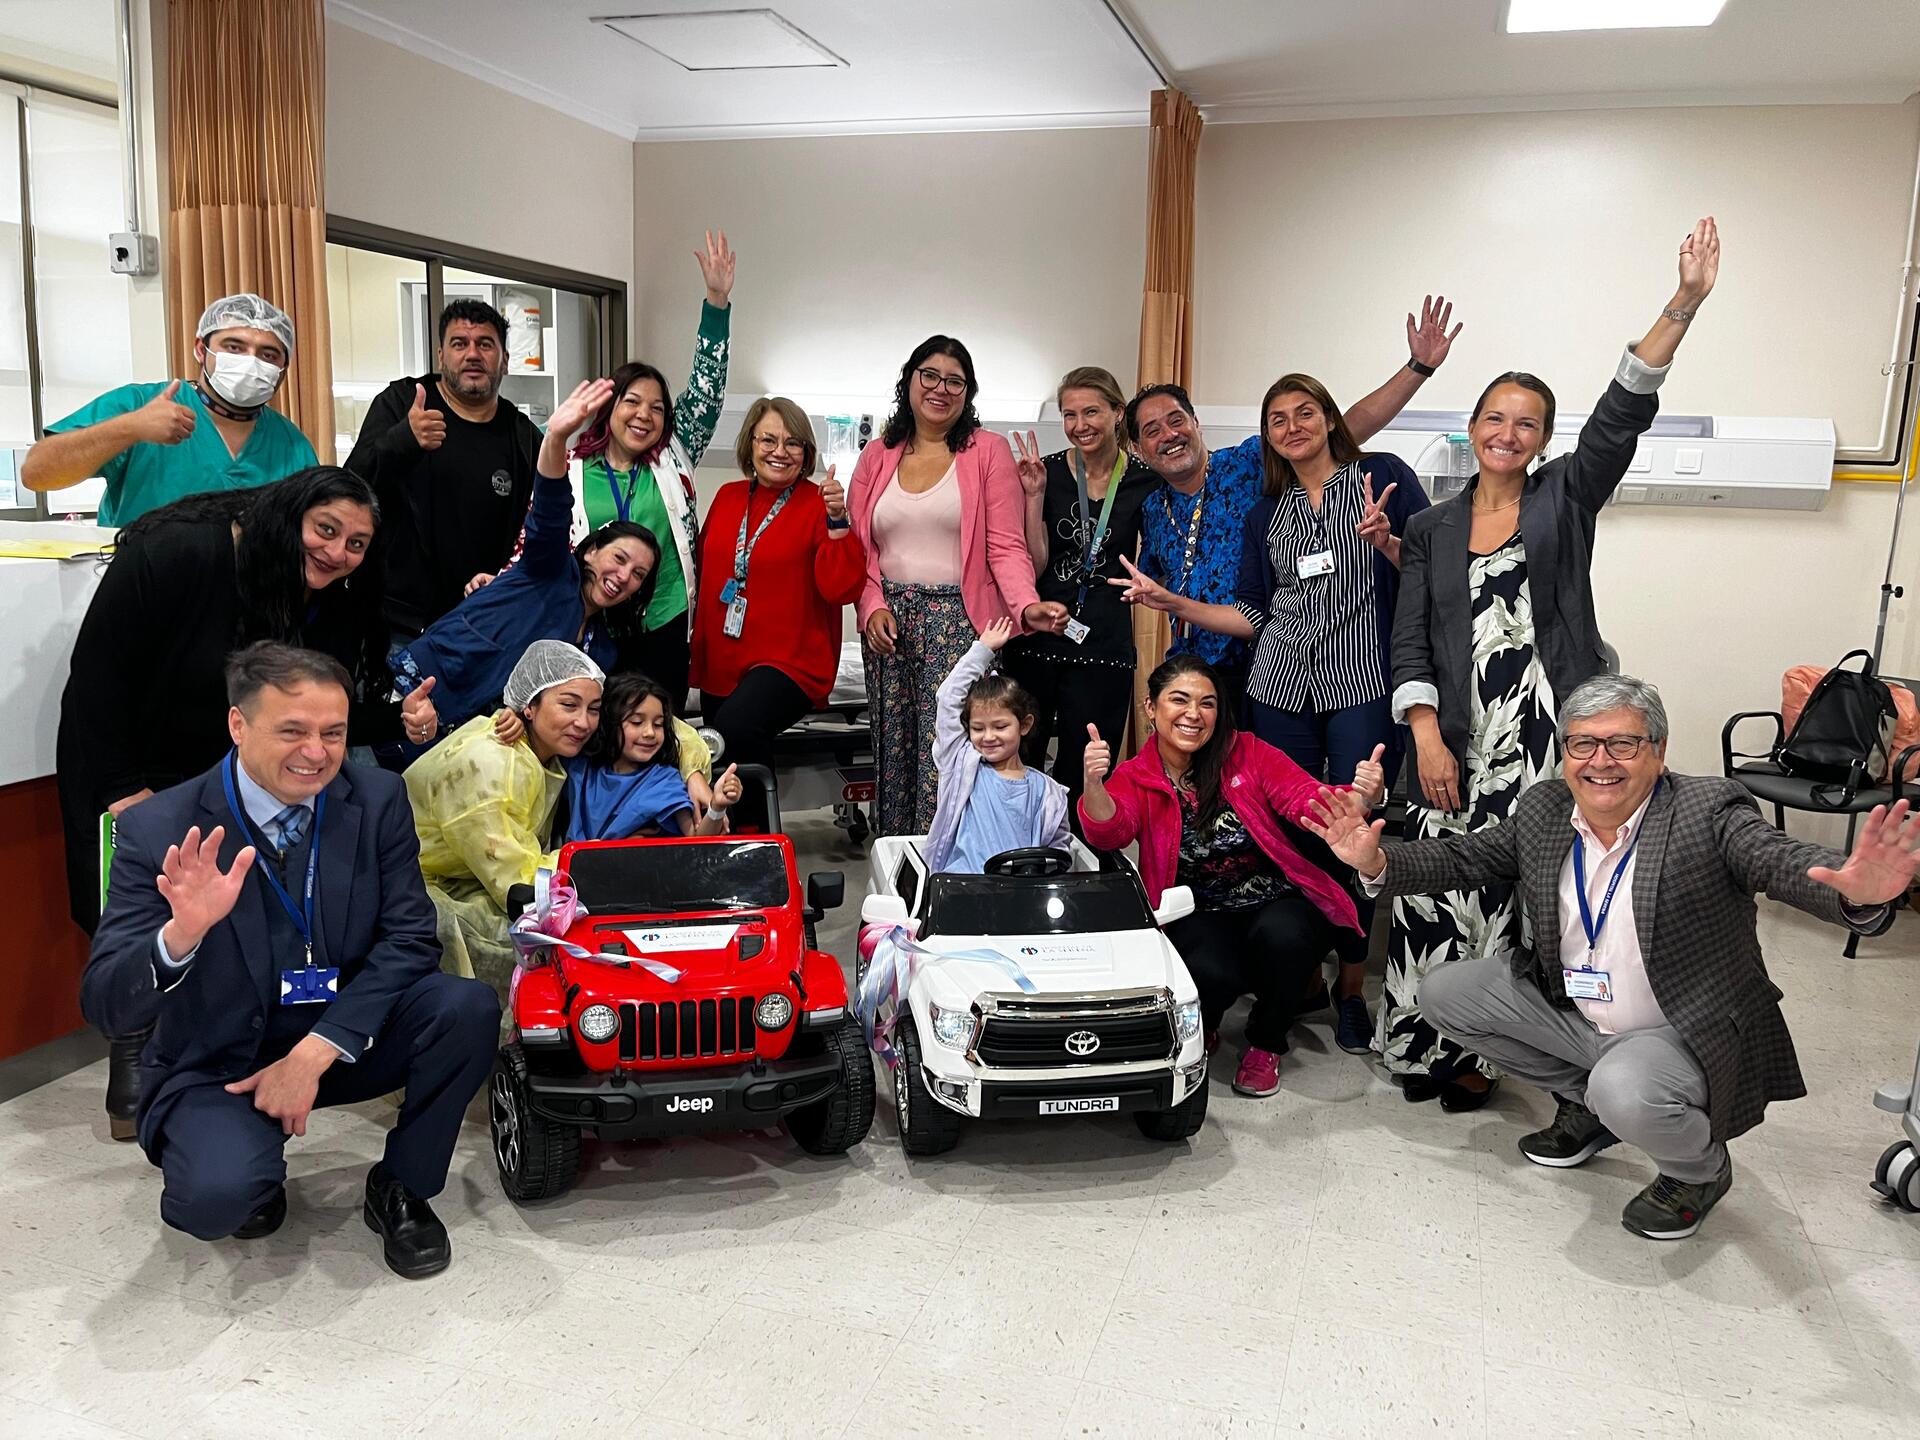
column 1328, row 745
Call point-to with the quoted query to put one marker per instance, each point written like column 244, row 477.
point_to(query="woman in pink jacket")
column 1210, row 808
column 937, row 506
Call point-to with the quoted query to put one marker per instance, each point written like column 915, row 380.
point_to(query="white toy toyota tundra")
column 1041, row 988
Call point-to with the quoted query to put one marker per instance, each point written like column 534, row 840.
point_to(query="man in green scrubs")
column 155, row 443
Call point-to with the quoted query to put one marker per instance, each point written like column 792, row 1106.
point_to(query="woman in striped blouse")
column 1319, row 577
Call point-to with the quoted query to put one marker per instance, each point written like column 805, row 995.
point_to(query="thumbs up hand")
column 429, row 426
column 163, row 420
column 1096, row 760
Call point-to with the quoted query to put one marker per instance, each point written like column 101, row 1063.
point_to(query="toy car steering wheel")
column 1033, row 863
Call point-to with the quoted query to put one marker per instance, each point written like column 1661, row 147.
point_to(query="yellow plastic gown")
column 484, row 812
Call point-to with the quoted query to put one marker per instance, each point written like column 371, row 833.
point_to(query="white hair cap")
column 246, row 312
column 547, row 663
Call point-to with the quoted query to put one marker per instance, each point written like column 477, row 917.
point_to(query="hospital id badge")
column 1077, row 631
column 310, row 985
column 736, row 620
column 1589, row 985
column 1318, row 563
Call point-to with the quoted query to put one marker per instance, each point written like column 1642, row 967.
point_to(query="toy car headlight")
column 950, row 1027
column 599, row 1023
column 1187, row 1018
column 773, row 1012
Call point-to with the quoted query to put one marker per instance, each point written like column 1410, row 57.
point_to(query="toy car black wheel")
column 536, row 1158
column 926, row 1126
column 1180, row 1123
column 1897, row 1176
column 835, row 1124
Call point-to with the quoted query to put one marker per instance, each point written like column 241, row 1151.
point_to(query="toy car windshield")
column 671, row 879
column 1075, row 904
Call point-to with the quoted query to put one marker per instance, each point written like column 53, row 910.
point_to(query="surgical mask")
column 244, row 381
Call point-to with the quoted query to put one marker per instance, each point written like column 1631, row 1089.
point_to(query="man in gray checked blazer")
column 1644, row 1004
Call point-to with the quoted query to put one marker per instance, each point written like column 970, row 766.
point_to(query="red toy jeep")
column 755, row 1030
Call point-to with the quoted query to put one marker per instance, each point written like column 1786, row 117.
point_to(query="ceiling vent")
column 725, row 40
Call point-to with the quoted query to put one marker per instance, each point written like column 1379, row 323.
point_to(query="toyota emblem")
column 1082, row 1042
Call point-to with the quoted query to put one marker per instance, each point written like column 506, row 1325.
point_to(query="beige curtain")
column 246, row 155
column 1166, row 314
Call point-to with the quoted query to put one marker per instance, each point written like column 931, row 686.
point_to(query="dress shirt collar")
column 259, row 803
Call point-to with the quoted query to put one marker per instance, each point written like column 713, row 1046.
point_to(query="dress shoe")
column 415, row 1241
column 1457, row 1099
column 123, row 1085
column 267, row 1219
column 1415, row 1089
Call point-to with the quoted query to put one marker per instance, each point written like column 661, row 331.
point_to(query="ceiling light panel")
column 725, row 40
column 1527, row 17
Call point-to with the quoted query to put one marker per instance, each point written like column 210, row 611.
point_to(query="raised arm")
column 1139, row 588
column 1427, row 344
column 82, row 446
column 546, row 545
column 696, row 411
column 1033, row 488
column 1608, row 439
column 1852, row 890
column 949, row 729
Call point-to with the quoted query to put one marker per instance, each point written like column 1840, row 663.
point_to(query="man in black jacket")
column 452, row 464
column 268, row 921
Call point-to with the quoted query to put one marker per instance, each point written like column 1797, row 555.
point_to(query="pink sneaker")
column 1259, row 1073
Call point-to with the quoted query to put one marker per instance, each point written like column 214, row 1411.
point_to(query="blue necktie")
column 292, row 825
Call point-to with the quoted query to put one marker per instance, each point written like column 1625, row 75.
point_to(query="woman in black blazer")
column 1495, row 625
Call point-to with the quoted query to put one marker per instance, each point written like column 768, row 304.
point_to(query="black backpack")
column 1844, row 735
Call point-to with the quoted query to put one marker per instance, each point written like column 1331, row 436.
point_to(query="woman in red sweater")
column 786, row 545
column 1211, row 809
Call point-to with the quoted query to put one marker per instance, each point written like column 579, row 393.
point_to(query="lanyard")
column 302, row 918
column 622, row 504
column 1181, row 628
column 743, row 547
column 1591, row 923
column 1097, row 536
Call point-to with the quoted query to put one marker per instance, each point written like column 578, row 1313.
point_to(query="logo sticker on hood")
column 671, row 938
column 1064, row 948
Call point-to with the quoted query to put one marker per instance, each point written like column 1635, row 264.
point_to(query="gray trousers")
column 1646, row 1086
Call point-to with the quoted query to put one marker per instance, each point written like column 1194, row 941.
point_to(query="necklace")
column 1495, row 509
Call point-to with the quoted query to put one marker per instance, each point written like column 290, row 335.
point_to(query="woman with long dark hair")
column 938, row 509
column 1495, row 627
column 145, row 705
column 592, row 595
column 1211, row 807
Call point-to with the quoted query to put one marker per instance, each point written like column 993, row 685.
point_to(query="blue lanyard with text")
column 622, row 504
column 302, row 919
column 1591, row 923
column 743, row 547
column 1098, row 535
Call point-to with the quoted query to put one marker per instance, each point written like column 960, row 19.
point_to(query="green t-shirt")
column 645, row 508
column 144, row 477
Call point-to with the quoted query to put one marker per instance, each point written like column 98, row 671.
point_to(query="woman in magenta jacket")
column 938, row 509
column 1210, row 808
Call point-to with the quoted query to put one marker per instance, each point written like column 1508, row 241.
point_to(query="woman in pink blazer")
column 937, row 506
column 1215, row 810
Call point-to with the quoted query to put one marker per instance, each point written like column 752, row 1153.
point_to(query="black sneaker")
column 1575, row 1137
column 1353, row 1029
column 1671, row 1209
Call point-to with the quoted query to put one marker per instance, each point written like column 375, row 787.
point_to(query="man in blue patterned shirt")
column 1190, row 527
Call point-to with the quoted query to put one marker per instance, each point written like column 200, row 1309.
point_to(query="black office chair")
column 1768, row 783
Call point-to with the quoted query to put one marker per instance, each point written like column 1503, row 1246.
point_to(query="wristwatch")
column 842, row 523
column 1417, row 368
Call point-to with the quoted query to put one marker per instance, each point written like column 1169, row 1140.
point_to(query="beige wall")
column 415, row 146
column 1027, row 246
column 1555, row 235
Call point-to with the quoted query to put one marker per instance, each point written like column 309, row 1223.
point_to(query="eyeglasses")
column 934, row 380
column 1619, row 747
column 771, row 443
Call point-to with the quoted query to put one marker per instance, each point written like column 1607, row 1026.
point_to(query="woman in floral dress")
column 1476, row 678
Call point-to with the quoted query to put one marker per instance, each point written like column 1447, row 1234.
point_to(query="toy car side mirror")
column 826, row 890
column 1176, row 903
column 519, row 900
column 883, row 910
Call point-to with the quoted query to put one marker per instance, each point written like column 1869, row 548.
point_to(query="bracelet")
column 842, row 523
column 1417, row 368
column 1683, row 316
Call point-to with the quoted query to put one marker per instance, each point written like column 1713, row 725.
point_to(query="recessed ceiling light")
column 1526, row 17
column 725, row 40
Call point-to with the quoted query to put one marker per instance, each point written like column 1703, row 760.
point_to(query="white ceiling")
column 75, row 36
column 1016, row 64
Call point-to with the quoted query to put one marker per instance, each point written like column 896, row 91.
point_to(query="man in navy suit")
column 268, row 919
